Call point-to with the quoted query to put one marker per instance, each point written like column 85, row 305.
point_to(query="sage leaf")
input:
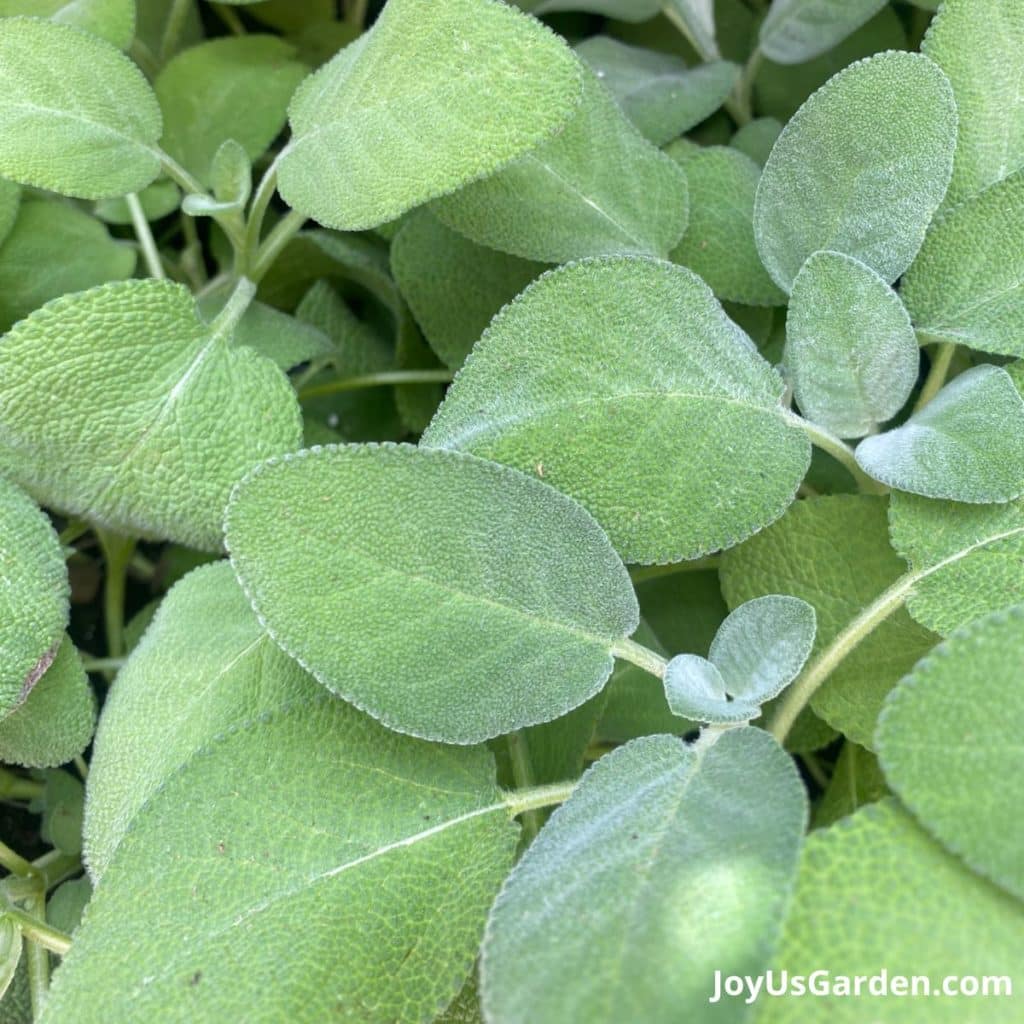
column 112, row 20
column 394, row 847
column 977, row 44
column 475, row 581
column 952, row 726
column 76, row 116
column 967, row 283
column 65, row 907
column 489, row 84
column 596, row 187
column 851, row 351
column 695, row 689
column 157, row 201
column 856, row 780
column 697, row 18
column 163, row 708
column 860, row 169
column 795, row 31
column 756, row 138
column 623, row 10
column 719, row 241
column 649, row 826
column 33, row 595
column 875, row 889
column 680, row 446
column 967, row 444
column 187, row 413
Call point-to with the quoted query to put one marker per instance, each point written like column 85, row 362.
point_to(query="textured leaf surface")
column 453, row 286
column 364, row 860
column 860, row 169
column 185, row 415
column 851, row 352
column 164, row 707
column 596, row 187
column 679, row 444
column 978, row 44
column 55, row 721
column 756, row 138
column 33, row 595
column 967, row 444
column 719, row 241
column 112, row 20
column 798, row 30
column 952, row 727
column 974, row 553
column 625, row 10
column 834, row 553
column 431, row 588
column 652, row 826
column 76, row 116
column 967, row 283
column 236, row 87
column 473, row 83
column 876, row 890
column 55, row 248
column 157, row 200
column 656, row 91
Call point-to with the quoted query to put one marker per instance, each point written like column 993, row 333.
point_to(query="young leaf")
column 967, row 283
column 164, row 708
column 76, row 116
column 719, row 241
column 53, row 249
column 475, row 581
column 650, row 825
column 679, row 443
column 876, row 890
column 365, row 861
column 488, row 84
column 656, row 91
column 33, row 595
column 597, row 187
column 112, row 20
column 978, row 43
column 236, row 87
column 453, row 286
column 186, row 413
column 834, row 553
column 973, row 555
column 967, row 444
column 851, row 352
column 694, row 688
column 55, row 721
column 950, row 728
column 799, row 30
column 860, row 169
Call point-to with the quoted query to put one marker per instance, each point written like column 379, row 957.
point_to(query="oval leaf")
column 694, row 688
column 795, row 31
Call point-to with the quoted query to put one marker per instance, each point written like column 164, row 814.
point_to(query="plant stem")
column 76, row 528
column 226, row 320
column 179, row 175
column 942, row 357
column 521, row 800
column 376, row 380
column 117, row 553
column 103, row 664
column 230, row 19
column 355, row 13
column 281, row 234
column 642, row 657
column 81, row 766
column 257, row 211
column 39, row 931
column 743, row 102
column 15, row 787
column 142, row 232
column 192, row 255
column 839, row 450
column 38, row 958
column 15, row 863
column 522, row 774
column 641, row 573
column 50, row 870
column 173, row 27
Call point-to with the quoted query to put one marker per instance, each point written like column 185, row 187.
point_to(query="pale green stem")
column 642, row 657
column 281, row 234
column 230, row 19
column 355, row 12
column 15, row 787
column 743, row 111
column 641, row 573
column 376, row 380
column 173, row 27
column 192, row 255
column 15, row 863
column 522, row 775
column 50, row 870
column 234, row 309
column 150, row 253
column 75, row 529
column 179, row 175
column 257, row 211
column 81, row 766
column 838, row 449
column 103, row 664
column 942, row 357
column 521, row 800
column 46, row 935
column 117, row 553
column 38, row 958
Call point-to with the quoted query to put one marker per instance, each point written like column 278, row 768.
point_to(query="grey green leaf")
column 112, row 20
column 796, row 31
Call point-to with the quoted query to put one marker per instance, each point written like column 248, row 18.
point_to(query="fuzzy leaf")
column 597, row 187
column 795, row 31
column 474, row 582
column 163, row 708
column 487, row 84
column 756, row 138
column 649, row 827
column 967, row 283
column 157, row 201
column 76, row 116
column 112, row 20
column 950, row 728
column 698, row 22
column 967, row 444
column 186, row 414
column 695, row 689
column 978, row 44
column 851, row 352
column 679, row 444
column 860, row 169
column 364, row 860
column 624, row 10
column 719, row 242
column 235, row 87
column 874, row 891
column 33, row 595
